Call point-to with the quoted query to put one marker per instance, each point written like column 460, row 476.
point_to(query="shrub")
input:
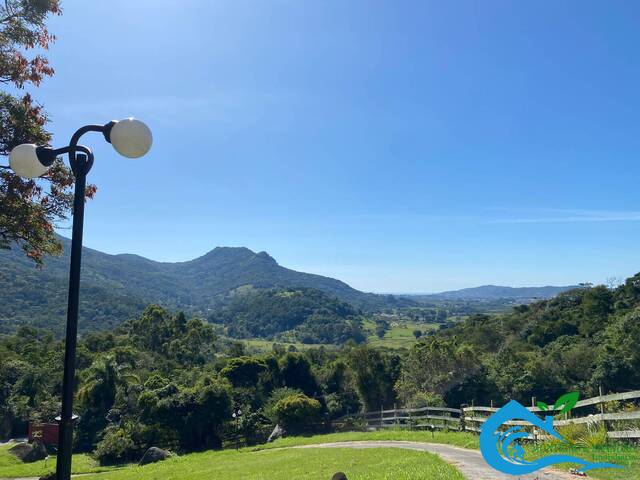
column 117, row 446
column 269, row 409
column 298, row 413
column 595, row 437
column 573, row 433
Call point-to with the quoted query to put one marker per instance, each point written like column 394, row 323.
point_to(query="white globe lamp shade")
column 131, row 138
column 24, row 161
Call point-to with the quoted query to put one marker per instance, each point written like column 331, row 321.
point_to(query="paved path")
column 469, row 462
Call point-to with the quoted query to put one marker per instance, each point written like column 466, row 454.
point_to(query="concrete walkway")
column 469, row 462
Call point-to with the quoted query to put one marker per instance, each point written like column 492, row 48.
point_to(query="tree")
column 417, row 334
column 97, row 396
column 29, row 208
column 244, row 371
column 375, row 375
column 435, row 367
column 295, row 371
column 381, row 328
column 297, row 413
column 198, row 413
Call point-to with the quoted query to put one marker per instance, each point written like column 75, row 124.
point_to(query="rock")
column 278, row 432
column 29, row 452
column 153, row 455
column 339, row 476
column 49, row 476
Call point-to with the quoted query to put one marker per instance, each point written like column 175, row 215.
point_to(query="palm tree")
column 101, row 381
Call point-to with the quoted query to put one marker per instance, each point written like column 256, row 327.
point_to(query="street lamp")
column 131, row 138
column 237, row 414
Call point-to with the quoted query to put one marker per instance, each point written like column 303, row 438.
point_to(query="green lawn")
column 307, row 464
column 265, row 463
column 12, row 467
column 621, row 454
column 314, row 463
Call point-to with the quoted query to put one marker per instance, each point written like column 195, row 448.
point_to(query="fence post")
column 381, row 416
column 604, row 424
column 462, row 420
column 395, row 415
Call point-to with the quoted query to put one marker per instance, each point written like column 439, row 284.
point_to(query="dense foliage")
column 305, row 315
column 581, row 340
column 166, row 380
column 169, row 381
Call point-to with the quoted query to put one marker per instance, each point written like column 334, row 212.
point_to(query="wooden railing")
column 471, row 418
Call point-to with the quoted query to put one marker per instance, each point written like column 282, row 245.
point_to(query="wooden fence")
column 470, row 419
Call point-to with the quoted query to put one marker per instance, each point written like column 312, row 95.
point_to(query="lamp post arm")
column 104, row 129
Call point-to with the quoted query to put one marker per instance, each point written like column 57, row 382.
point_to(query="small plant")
column 594, row 437
column 573, row 433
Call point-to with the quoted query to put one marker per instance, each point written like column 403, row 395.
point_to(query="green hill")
column 305, row 315
column 118, row 287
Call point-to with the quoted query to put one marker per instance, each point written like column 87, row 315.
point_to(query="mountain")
column 115, row 288
column 495, row 292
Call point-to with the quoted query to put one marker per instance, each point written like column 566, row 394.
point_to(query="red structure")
column 46, row 433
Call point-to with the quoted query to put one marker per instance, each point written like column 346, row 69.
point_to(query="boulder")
column 278, row 432
column 339, row 476
column 29, row 452
column 153, row 455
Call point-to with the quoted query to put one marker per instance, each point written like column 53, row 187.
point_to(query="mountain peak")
column 265, row 256
column 236, row 254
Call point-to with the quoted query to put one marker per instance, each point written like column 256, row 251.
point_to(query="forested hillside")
column 115, row 288
column 303, row 315
column 581, row 340
column 138, row 383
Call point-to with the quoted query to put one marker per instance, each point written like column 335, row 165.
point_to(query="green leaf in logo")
column 542, row 406
column 566, row 402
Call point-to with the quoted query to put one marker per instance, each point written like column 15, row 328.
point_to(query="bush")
column 298, row 413
column 573, row 433
column 116, row 447
column 595, row 437
column 269, row 409
column 422, row 399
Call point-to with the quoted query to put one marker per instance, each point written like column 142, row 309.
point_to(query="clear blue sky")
column 401, row 146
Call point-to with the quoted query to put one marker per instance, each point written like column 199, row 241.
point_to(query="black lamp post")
column 130, row 138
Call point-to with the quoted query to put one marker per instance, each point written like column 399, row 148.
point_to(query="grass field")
column 308, row 464
column 258, row 346
column 271, row 462
column 627, row 456
column 11, row 467
column 399, row 335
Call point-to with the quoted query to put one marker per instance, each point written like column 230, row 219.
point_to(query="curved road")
column 469, row 462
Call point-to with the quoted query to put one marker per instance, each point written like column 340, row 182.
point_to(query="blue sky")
column 401, row 146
